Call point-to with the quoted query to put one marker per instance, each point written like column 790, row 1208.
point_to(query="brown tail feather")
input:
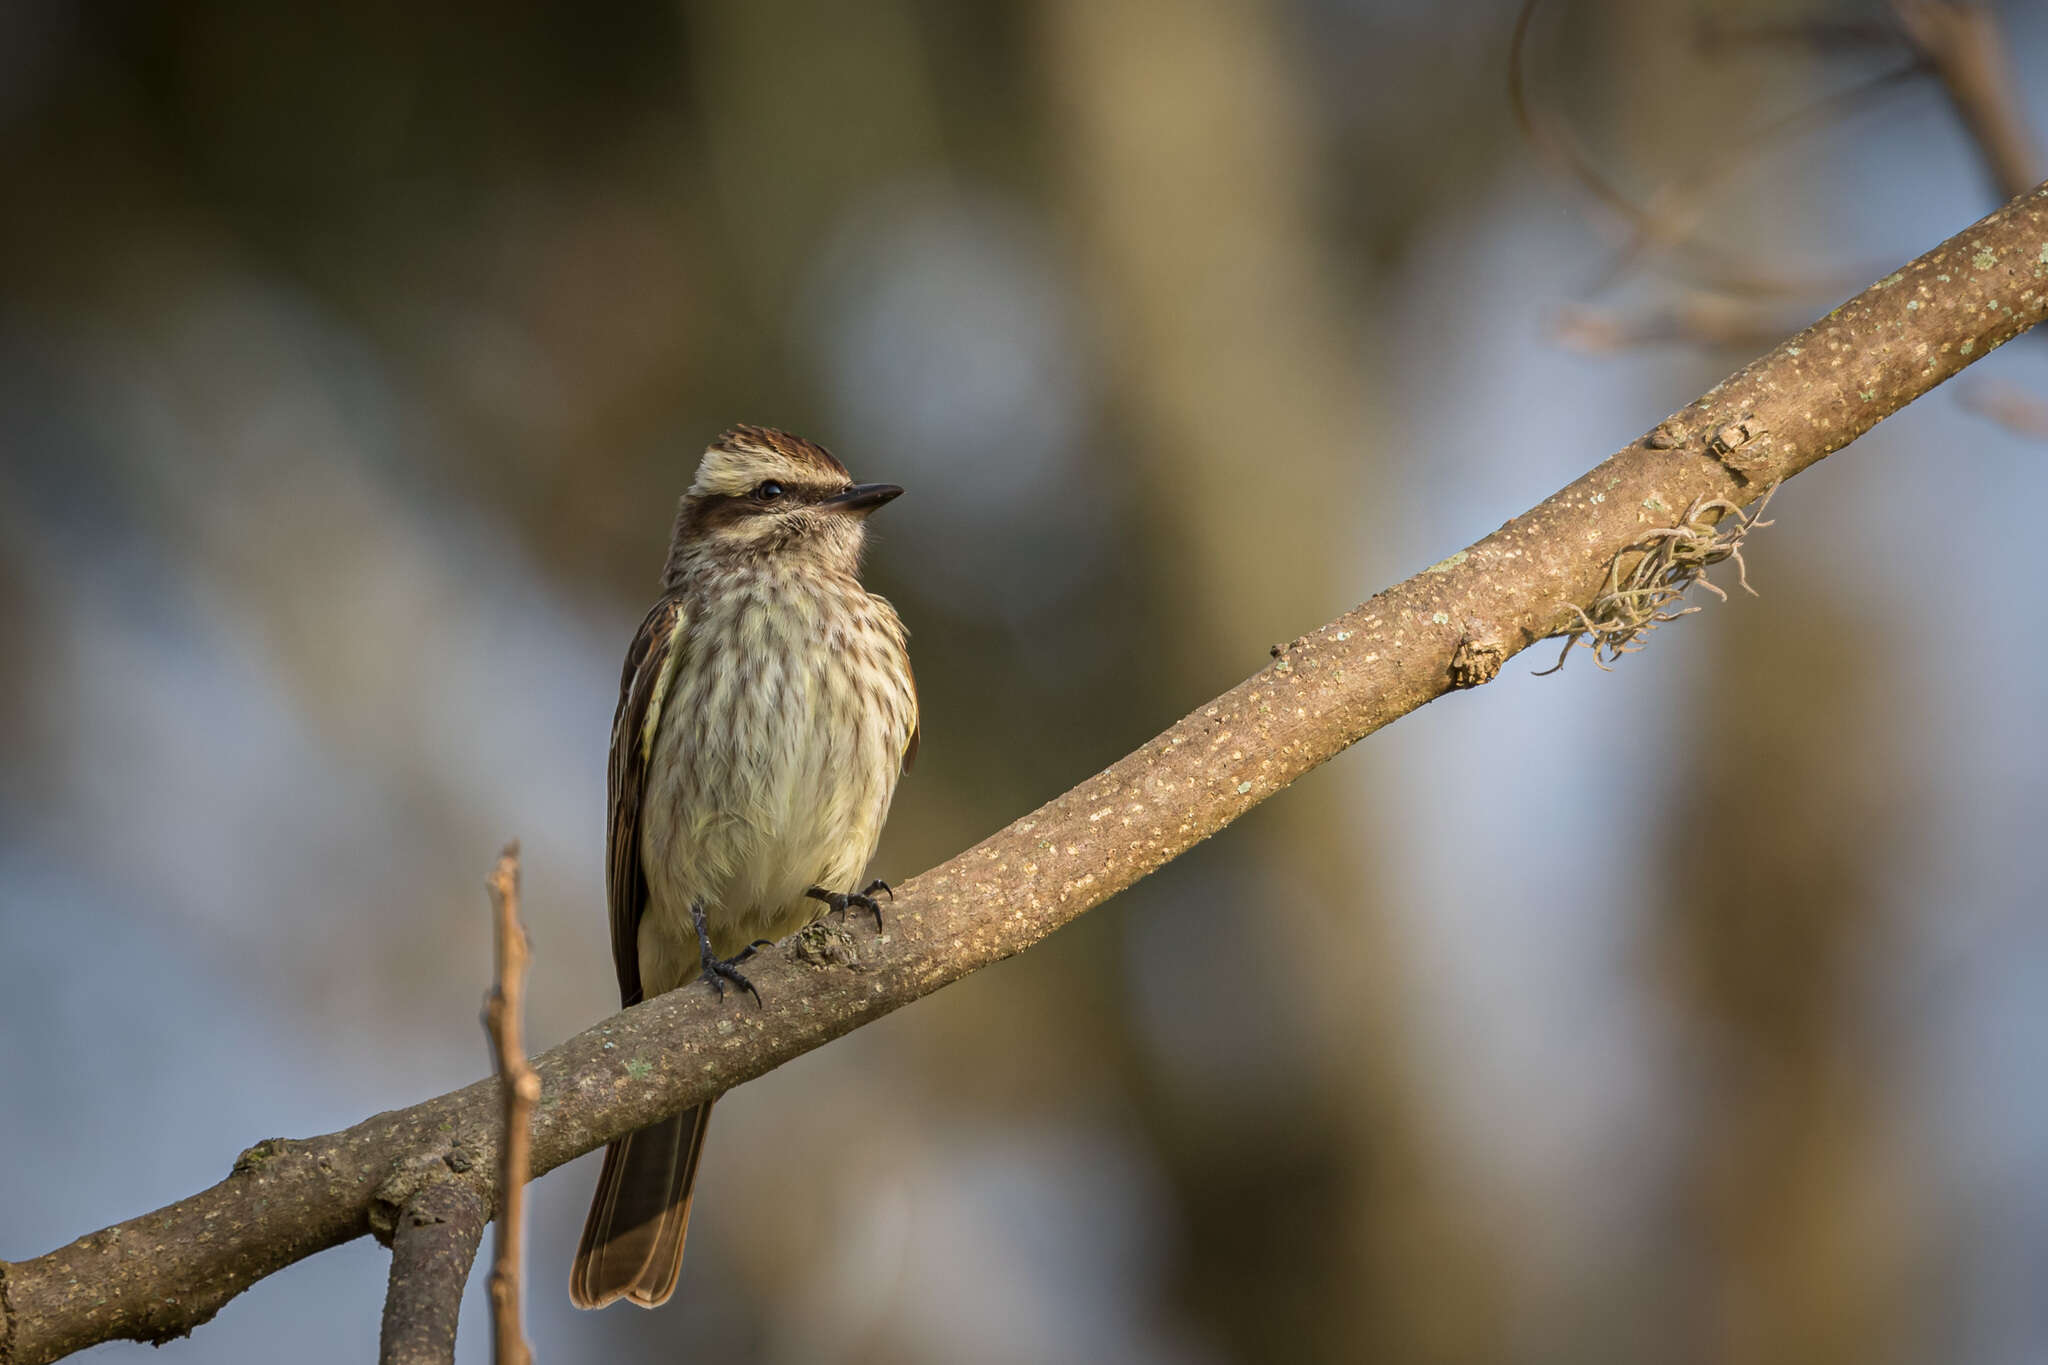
column 632, row 1245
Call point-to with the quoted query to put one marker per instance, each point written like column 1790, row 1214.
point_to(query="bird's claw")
column 718, row 970
column 864, row 898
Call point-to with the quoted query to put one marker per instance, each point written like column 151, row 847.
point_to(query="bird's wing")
column 650, row 668
column 909, row 677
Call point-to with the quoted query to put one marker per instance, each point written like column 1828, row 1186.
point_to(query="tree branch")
column 521, row 1090
column 438, row 1228
column 431, row 1249
column 160, row 1275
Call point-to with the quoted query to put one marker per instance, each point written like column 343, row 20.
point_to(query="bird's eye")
column 767, row 491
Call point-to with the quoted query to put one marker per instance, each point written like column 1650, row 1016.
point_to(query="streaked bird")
column 765, row 714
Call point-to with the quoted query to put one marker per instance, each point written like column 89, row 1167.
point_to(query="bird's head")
column 766, row 497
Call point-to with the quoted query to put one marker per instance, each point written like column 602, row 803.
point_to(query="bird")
column 766, row 712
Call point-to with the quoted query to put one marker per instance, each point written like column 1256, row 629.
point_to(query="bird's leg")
column 719, row 970
column 864, row 898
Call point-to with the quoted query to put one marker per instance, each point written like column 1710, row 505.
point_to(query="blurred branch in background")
column 1667, row 221
column 1692, row 319
column 1226, row 339
column 1452, row 625
column 1962, row 43
column 1793, row 1203
column 2012, row 407
column 1966, row 45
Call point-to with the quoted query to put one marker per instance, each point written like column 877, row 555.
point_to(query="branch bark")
column 432, row 1245
column 160, row 1275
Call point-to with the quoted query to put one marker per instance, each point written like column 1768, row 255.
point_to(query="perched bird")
column 765, row 714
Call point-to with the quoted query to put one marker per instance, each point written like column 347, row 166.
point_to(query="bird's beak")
column 862, row 498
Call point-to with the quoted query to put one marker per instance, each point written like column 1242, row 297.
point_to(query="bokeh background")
column 351, row 359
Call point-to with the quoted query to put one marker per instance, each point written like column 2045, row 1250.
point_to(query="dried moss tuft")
column 1646, row 581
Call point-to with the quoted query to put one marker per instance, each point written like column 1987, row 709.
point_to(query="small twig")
column 432, row 1247
column 521, row 1087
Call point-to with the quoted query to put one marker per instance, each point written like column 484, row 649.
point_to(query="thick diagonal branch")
column 160, row 1275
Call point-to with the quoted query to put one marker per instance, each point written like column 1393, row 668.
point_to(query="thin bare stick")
column 521, row 1087
column 432, row 1248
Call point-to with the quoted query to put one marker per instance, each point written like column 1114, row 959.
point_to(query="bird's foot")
column 864, row 898
column 719, row 970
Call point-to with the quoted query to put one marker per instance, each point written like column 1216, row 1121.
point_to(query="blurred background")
column 351, row 359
